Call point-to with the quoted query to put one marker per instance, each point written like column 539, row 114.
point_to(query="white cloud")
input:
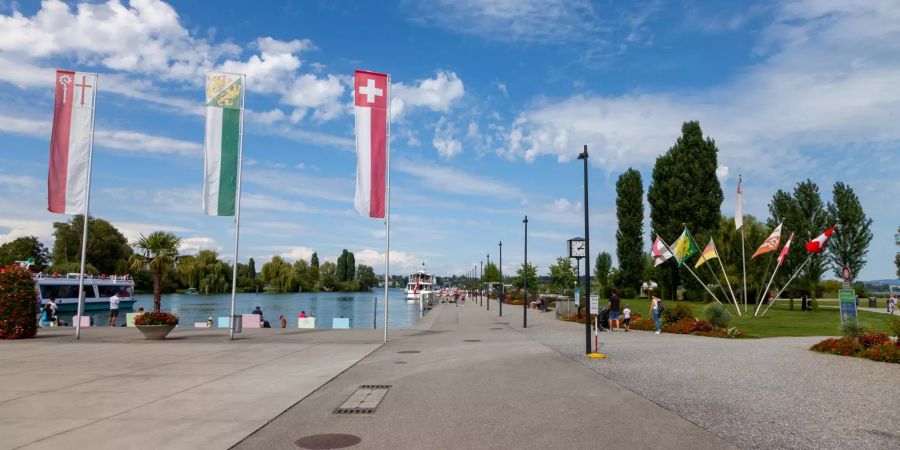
column 445, row 139
column 192, row 245
column 400, row 261
column 722, row 173
column 455, row 181
column 827, row 79
column 437, row 94
column 21, row 181
column 295, row 253
column 18, row 227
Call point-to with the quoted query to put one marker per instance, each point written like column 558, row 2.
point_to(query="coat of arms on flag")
column 224, row 117
column 684, row 247
column 770, row 244
column 660, row 251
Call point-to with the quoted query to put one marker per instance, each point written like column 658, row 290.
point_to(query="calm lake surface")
column 358, row 306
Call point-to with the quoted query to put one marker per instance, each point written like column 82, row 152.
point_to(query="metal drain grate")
column 327, row 441
column 406, row 352
column 472, row 340
column 364, row 400
column 497, row 328
column 399, row 362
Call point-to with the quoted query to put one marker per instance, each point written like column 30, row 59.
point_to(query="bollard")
column 375, row 313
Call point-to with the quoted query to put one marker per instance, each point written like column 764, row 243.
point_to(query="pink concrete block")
column 85, row 320
column 200, row 325
column 250, row 321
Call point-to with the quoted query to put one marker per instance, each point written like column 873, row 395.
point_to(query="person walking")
column 283, row 321
column 613, row 306
column 655, row 311
column 626, row 317
column 892, row 304
column 53, row 311
column 114, row 308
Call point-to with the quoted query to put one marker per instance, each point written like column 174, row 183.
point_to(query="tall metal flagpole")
column 707, row 264
column 796, row 272
column 87, row 208
column 733, row 298
column 766, row 290
column 744, row 264
column 387, row 211
column 237, row 206
column 686, row 266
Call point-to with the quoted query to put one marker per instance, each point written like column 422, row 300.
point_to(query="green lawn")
column 781, row 321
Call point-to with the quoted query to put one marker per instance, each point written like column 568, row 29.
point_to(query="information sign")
column 595, row 304
column 848, row 304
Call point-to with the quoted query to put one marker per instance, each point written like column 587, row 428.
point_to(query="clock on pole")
column 576, row 248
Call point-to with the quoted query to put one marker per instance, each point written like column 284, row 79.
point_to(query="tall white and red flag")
column 739, row 209
column 371, row 99
column 70, row 142
column 818, row 244
column 784, row 250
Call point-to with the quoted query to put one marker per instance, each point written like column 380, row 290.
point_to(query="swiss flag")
column 817, row 245
column 371, row 92
column 785, row 250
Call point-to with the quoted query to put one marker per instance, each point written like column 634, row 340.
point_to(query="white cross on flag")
column 70, row 142
column 371, row 100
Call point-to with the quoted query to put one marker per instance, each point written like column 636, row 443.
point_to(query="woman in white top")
column 654, row 310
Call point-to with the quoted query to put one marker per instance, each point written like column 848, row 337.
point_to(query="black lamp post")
column 489, row 297
column 481, row 286
column 587, row 252
column 500, row 297
column 525, row 278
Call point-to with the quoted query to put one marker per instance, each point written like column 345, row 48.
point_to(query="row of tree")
column 282, row 276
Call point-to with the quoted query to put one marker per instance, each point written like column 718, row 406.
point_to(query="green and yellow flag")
column 224, row 114
column 708, row 253
column 684, row 247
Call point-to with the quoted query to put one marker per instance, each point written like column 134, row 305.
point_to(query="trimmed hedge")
column 18, row 303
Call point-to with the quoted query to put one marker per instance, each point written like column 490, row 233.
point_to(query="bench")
column 341, row 323
column 306, row 322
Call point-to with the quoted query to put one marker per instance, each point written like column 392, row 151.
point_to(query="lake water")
column 358, row 306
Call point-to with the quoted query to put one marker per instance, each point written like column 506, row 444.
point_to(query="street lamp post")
column 489, row 297
column 481, row 286
column 500, row 296
column 525, row 278
column 587, row 252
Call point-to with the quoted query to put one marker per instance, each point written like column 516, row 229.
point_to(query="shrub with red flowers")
column 18, row 303
column 639, row 322
column 874, row 346
column 156, row 318
column 688, row 326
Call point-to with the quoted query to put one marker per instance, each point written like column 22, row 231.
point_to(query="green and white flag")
column 224, row 116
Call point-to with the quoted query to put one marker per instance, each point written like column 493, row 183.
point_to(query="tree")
column 849, row 244
column 23, row 248
column 106, row 246
column 187, row 269
column 340, row 274
column 562, row 275
column 491, row 273
column 602, row 269
column 630, row 233
column 277, row 275
column 526, row 273
column 314, row 260
column 366, row 277
column 327, row 275
column 897, row 256
column 802, row 213
column 350, row 263
column 158, row 252
column 251, row 269
column 684, row 191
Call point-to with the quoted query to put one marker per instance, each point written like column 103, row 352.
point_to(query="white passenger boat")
column 97, row 291
column 420, row 288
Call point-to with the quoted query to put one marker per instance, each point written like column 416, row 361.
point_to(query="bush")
column 895, row 327
column 852, row 329
column 687, row 326
column 674, row 312
column 885, row 353
column 154, row 318
column 629, row 293
column 869, row 340
column 841, row 346
column 18, row 303
column 717, row 315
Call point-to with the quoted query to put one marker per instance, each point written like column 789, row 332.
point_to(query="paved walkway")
column 472, row 381
column 198, row 390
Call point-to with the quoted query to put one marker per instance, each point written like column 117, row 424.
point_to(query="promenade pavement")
column 472, row 381
column 114, row 390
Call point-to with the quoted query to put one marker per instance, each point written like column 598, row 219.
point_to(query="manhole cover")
column 328, row 441
column 497, row 328
column 409, row 351
column 364, row 400
column 472, row 340
column 502, row 323
column 399, row 362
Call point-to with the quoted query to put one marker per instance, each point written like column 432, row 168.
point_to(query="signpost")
column 847, row 297
column 595, row 304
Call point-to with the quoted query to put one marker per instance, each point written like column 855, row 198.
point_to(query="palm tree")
column 157, row 252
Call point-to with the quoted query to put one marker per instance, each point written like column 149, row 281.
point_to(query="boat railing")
column 75, row 276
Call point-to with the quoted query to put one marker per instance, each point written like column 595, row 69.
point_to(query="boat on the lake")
column 420, row 288
column 97, row 291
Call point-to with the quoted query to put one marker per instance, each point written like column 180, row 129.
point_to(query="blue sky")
column 492, row 102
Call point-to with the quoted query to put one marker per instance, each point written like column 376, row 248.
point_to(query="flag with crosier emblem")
column 684, row 247
column 224, row 116
column 70, row 142
column 770, row 244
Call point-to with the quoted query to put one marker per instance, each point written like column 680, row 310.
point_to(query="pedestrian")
column 53, row 311
column 283, row 321
column 656, row 307
column 613, row 306
column 626, row 317
column 114, row 307
column 302, row 315
column 892, row 304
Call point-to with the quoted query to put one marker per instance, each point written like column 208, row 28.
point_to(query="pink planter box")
column 250, row 321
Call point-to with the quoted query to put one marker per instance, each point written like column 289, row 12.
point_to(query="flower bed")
column 154, row 318
column 18, row 303
column 874, row 346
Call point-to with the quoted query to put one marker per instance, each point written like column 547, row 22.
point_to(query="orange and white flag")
column 770, row 244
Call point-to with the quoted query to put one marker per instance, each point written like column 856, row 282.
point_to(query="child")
column 283, row 321
column 626, row 316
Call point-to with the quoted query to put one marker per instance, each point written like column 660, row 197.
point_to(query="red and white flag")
column 371, row 99
column 785, row 250
column 70, row 142
column 817, row 245
column 660, row 251
column 770, row 244
column 739, row 209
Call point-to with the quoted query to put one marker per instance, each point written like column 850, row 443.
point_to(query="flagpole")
column 691, row 271
column 766, row 290
column 237, row 206
column 737, row 307
column 707, row 263
column 796, row 272
column 387, row 212
column 744, row 264
column 87, row 208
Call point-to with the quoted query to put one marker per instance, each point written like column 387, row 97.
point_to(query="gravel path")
column 754, row 393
